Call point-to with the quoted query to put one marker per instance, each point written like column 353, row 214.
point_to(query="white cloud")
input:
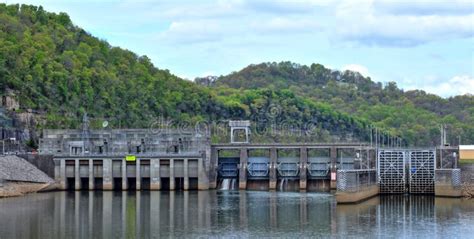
column 193, row 31
column 357, row 68
column 363, row 22
column 425, row 7
column 457, row 85
column 286, row 25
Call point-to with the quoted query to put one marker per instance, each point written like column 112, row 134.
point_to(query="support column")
column 273, row 172
column 62, row 175
column 155, row 182
column 107, row 179
column 203, row 180
column 124, row 175
column 333, row 154
column 186, row 175
column 138, row 175
column 213, row 170
column 303, row 167
column 172, row 180
column 243, row 169
column 77, row 176
column 91, row 174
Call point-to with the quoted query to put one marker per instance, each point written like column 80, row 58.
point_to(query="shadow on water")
column 229, row 214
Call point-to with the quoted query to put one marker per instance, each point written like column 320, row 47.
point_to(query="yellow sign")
column 130, row 158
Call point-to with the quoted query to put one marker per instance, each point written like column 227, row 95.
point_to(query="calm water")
column 230, row 214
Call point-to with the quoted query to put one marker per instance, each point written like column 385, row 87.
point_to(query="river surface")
column 231, row 214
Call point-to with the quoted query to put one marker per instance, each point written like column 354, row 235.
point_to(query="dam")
column 142, row 159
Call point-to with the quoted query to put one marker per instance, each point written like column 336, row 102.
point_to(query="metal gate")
column 404, row 170
column 391, row 171
column 422, row 165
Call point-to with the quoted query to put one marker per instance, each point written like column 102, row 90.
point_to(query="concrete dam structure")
column 128, row 159
column 141, row 159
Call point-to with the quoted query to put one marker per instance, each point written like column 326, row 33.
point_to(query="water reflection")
column 229, row 214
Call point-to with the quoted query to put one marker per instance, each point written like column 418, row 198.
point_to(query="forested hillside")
column 61, row 71
column 416, row 115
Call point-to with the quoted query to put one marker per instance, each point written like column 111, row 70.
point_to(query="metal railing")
column 353, row 180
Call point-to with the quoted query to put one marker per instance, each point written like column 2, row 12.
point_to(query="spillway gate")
column 402, row 171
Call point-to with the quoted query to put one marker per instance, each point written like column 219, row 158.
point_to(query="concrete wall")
column 142, row 174
column 44, row 163
column 360, row 195
column 448, row 183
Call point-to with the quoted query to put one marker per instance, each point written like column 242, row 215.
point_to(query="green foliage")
column 414, row 115
column 62, row 70
column 59, row 69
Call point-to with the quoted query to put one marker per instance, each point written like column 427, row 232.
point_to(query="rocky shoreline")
column 15, row 189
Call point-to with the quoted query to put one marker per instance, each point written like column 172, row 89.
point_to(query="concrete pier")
column 273, row 171
column 357, row 196
column 124, row 175
column 356, row 185
column 77, row 176
column 333, row 172
column 186, row 175
column 138, row 175
column 62, row 175
column 303, row 167
column 91, row 185
column 107, row 183
column 155, row 183
column 243, row 169
column 448, row 183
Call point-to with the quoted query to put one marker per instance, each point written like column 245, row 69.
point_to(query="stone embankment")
column 467, row 178
column 18, row 177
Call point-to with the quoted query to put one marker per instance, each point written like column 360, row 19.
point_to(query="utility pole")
column 371, row 135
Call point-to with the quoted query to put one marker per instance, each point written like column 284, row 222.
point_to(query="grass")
column 466, row 161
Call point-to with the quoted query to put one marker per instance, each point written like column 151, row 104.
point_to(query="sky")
column 419, row 44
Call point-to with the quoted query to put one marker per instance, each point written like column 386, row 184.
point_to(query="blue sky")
column 426, row 45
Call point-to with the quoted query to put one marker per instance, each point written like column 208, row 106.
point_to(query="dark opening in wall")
column 145, row 184
column 98, row 184
column 193, row 183
column 165, row 184
column 132, row 183
column 71, row 183
column 85, row 183
column 179, row 183
column 117, row 184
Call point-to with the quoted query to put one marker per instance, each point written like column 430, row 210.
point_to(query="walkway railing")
column 352, row 180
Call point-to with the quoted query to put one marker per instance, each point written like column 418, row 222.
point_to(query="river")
column 232, row 214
